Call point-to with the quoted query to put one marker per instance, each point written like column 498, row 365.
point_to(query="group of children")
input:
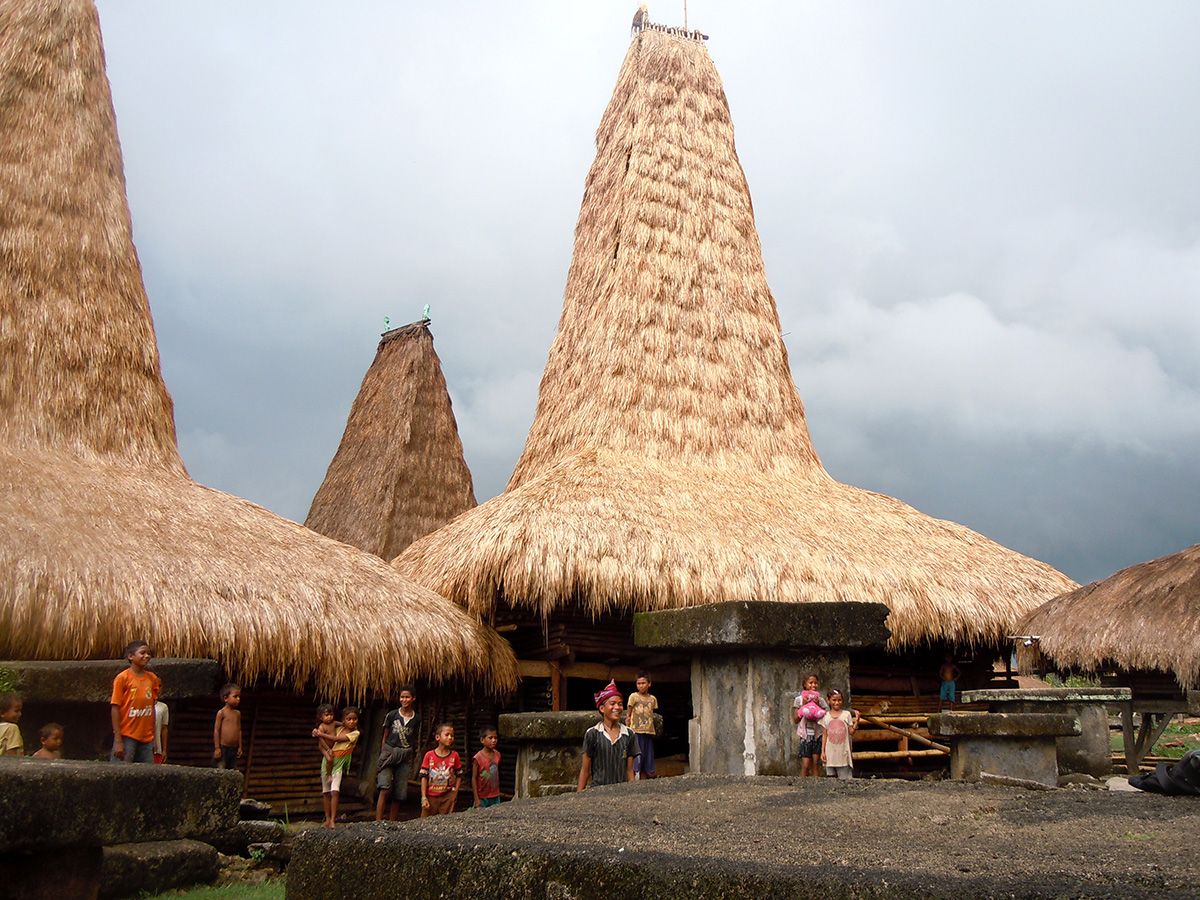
column 824, row 729
column 12, row 744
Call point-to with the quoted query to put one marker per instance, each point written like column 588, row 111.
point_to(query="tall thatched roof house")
column 1145, row 618
column 670, row 463
column 399, row 472
column 105, row 536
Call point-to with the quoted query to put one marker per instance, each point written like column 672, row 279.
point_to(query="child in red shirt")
column 485, row 770
column 441, row 774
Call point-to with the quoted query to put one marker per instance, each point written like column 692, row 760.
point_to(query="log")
column 895, row 754
column 911, row 735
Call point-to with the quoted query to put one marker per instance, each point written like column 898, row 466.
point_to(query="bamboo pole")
column 894, row 754
column 912, row 735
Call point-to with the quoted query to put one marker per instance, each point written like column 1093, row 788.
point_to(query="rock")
column 237, row 839
column 131, row 870
column 1121, row 785
column 253, row 810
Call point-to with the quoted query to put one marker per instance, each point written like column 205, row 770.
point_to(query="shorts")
column 393, row 780
column 331, row 780
column 810, row 746
column 843, row 773
column 644, row 761
column 485, row 802
column 439, row 804
column 228, row 758
column 947, row 691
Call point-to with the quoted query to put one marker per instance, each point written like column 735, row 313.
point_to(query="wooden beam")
column 912, row 735
column 895, row 754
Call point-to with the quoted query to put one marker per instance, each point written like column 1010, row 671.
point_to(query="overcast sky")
column 980, row 222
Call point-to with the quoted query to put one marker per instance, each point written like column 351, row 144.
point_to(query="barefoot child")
column 326, row 735
column 949, row 673
column 839, row 725
column 808, row 710
column 51, row 739
column 485, row 770
column 400, row 729
column 341, row 753
column 227, row 730
column 11, row 742
column 640, row 718
column 609, row 748
column 439, row 769
column 134, row 693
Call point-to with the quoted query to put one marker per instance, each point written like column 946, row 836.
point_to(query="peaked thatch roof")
column 105, row 537
column 1146, row 617
column 670, row 463
column 399, row 472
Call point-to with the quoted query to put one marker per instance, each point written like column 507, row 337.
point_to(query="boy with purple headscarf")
column 609, row 747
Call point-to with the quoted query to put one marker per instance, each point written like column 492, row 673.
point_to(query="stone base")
column 1033, row 759
column 132, row 870
column 51, row 874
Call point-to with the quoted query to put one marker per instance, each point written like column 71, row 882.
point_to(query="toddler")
column 11, row 742
column 227, row 730
column 51, row 739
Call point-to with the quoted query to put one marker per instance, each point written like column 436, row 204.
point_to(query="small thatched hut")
column 105, row 536
column 399, row 472
column 1144, row 619
column 670, row 463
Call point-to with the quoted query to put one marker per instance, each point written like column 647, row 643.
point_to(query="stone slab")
column 134, row 870
column 90, row 681
column 1003, row 725
column 48, row 805
column 762, row 624
column 1048, row 695
column 566, row 725
column 702, row 837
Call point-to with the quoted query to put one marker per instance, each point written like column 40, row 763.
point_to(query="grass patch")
column 1134, row 836
column 1177, row 740
column 268, row 890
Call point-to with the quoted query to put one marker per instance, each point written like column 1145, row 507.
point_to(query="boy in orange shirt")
column 134, row 694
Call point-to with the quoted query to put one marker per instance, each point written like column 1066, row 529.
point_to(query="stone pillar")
column 1090, row 752
column 749, row 661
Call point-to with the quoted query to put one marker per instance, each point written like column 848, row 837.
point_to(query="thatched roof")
column 399, row 472
column 105, row 537
column 670, row 464
column 1146, row 617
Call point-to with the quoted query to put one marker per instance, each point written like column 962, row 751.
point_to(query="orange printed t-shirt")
column 135, row 698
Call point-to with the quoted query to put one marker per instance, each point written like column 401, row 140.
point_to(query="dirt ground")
column 712, row 836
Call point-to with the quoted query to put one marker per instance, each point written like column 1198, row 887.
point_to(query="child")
column 949, row 673
column 440, row 766
column 640, row 718
column 485, row 770
column 162, row 719
column 51, row 739
column 400, row 729
column 341, row 754
column 326, row 734
column 839, row 725
column 134, row 693
column 609, row 748
column 11, row 742
column 808, row 709
column 227, row 730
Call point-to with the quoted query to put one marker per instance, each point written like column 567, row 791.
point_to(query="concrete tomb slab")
column 91, row 680
column 1011, row 745
column 1089, row 752
column 134, row 870
column 749, row 660
column 701, row 837
column 57, row 815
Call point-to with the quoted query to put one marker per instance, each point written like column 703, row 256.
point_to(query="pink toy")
column 810, row 709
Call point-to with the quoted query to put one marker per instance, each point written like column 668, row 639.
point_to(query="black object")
column 1181, row 778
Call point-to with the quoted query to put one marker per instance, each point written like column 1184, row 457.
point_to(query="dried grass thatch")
column 1146, row 617
column 105, row 537
column 670, row 462
column 399, row 472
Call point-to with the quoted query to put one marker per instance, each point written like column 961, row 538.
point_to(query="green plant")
column 8, row 680
column 258, row 854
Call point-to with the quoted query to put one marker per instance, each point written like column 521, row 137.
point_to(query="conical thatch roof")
column 105, row 537
column 1146, row 617
column 670, row 463
column 399, row 472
